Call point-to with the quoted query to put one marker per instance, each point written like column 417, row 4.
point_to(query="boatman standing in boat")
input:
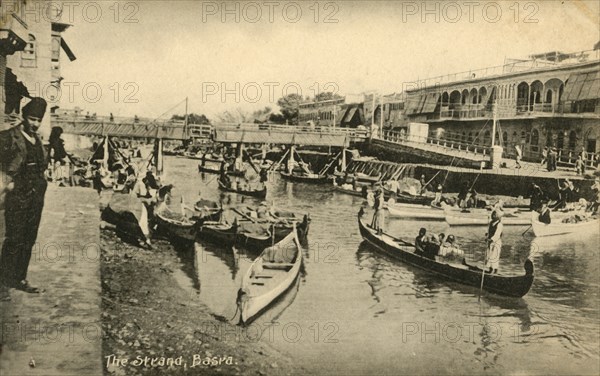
column 494, row 242
column 22, row 167
column 378, row 216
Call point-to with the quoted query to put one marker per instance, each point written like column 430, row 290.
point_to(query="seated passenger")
column 544, row 216
column 421, row 242
column 450, row 248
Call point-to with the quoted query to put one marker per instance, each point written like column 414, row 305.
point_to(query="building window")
column 572, row 140
column 28, row 55
column 535, row 137
column 560, row 140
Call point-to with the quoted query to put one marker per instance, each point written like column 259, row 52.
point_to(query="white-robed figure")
column 494, row 243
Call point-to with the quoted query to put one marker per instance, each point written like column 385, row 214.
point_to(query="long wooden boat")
column 406, row 198
column 208, row 170
column 481, row 217
column 224, row 233
column 361, row 177
column 352, row 192
column 413, row 211
column 175, row 224
column 269, row 276
column 255, row 193
column 589, row 227
column 515, row 286
column 304, row 178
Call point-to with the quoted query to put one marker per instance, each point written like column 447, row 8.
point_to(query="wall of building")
column 36, row 74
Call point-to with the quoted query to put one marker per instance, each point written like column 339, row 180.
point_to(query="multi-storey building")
column 30, row 55
column 332, row 113
column 549, row 100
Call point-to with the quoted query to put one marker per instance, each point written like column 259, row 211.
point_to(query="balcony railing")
column 443, row 144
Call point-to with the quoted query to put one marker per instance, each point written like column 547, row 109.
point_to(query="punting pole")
column 158, row 155
column 483, row 273
column 290, row 164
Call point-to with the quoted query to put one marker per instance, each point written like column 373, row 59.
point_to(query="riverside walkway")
column 58, row 332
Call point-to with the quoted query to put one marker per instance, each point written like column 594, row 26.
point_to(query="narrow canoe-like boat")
column 413, row 211
column 352, row 192
column 269, row 276
column 591, row 226
column 175, row 224
column 208, row 170
column 262, row 193
column 406, row 198
column 515, row 286
column 481, row 217
column 304, row 178
column 362, row 178
column 224, row 233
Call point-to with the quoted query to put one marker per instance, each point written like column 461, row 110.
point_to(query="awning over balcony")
column 582, row 86
column 412, row 103
column 431, row 101
column 349, row 115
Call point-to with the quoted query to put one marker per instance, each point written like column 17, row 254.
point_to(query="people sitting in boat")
column 393, row 186
column 432, row 246
column 544, row 216
column 151, row 183
column 421, row 242
column 264, row 175
column 437, row 201
column 262, row 212
column 450, row 248
column 462, row 195
column 564, row 193
column 472, row 200
column 536, row 196
column 424, row 185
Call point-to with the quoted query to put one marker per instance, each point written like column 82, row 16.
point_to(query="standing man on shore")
column 22, row 165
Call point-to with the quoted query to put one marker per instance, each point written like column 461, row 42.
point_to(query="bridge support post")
column 496, row 156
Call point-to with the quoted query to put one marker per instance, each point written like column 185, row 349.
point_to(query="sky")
column 148, row 56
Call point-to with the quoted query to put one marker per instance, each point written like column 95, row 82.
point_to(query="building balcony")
column 13, row 34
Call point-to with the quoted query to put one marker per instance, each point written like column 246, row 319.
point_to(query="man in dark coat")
column 23, row 162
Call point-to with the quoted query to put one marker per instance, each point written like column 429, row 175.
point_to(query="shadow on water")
column 229, row 255
column 185, row 252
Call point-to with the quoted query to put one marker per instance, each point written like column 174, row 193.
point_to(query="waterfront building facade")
column 31, row 54
column 550, row 100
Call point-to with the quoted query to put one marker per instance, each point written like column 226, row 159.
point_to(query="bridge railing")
column 352, row 132
column 403, row 138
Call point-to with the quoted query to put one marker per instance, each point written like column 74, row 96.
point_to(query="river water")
column 354, row 311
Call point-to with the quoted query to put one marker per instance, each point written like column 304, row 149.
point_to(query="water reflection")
column 372, row 298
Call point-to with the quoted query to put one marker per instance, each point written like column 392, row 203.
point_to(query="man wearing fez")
column 23, row 185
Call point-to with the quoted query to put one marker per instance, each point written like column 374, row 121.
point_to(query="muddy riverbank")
column 153, row 321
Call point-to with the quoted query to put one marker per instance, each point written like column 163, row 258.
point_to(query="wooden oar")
column 244, row 215
column 530, row 226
